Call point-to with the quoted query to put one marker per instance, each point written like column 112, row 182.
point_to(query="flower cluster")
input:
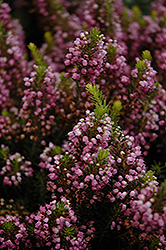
column 91, row 163
column 87, row 57
column 145, row 31
column 13, row 166
column 13, row 233
column 91, row 172
column 39, row 102
column 56, row 22
column 146, row 103
column 12, row 57
column 47, row 155
column 101, row 14
column 55, row 226
column 146, row 214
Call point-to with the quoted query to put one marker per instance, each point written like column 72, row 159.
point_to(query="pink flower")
column 161, row 222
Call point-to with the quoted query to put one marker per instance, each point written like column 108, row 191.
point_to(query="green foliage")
column 160, row 198
column 154, row 15
column 159, row 169
column 99, row 161
column 39, row 193
column 101, row 107
column 2, row 33
column 6, row 113
column 141, row 65
column 30, row 228
column 162, row 192
column 102, row 156
column 109, row 10
column 57, row 8
column 66, row 159
column 56, row 151
column 144, row 5
column 15, row 164
column 4, row 154
column 116, row 110
column 96, row 94
column 146, row 55
column 68, row 231
column 95, row 38
column 164, row 18
column 137, row 13
column 94, row 35
column 39, row 60
column 147, row 177
column 60, row 210
column 48, row 37
column 111, row 51
column 8, row 226
column 154, row 243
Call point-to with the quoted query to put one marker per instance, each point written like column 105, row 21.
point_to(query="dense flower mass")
column 82, row 125
column 88, row 56
column 93, row 168
column 13, row 233
column 14, row 166
column 39, row 102
column 12, row 57
column 55, row 226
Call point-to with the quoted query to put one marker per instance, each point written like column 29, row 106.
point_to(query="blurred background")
column 24, row 11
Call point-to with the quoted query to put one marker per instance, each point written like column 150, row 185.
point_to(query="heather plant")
column 55, row 227
column 50, row 102
column 142, row 32
column 60, row 27
column 13, row 166
column 104, row 64
column 87, row 57
column 13, row 233
column 142, row 94
column 137, row 88
column 107, row 169
column 101, row 14
column 38, row 101
column 13, row 62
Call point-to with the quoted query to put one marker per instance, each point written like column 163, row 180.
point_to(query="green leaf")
column 39, row 60
column 111, row 52
column 117, row 107
column 102, row 156
column 159, row 169
column 140, row 65
column 94, row 34
column 2, row 33
column 96, row 94
column 146, row 55
column 49, row 39
column 68, row 231
column 6, row 113
column 154, row 14
column 4, row 154
column 164, row 16
column 99, row 101
column 147, row 177
column 8, row 226
column 57, row 150
column 137, row 13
